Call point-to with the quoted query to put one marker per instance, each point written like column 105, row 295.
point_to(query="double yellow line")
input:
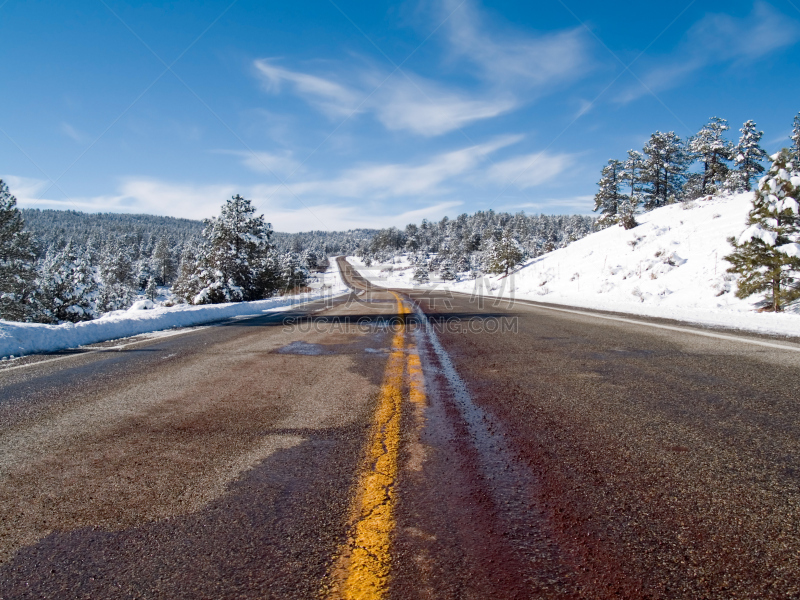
column 364, row 564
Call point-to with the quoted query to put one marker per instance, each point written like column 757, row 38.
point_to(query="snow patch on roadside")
column 19, row 339
column 671, row 266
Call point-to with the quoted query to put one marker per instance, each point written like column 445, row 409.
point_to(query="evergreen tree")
column 17, row 261
column 766, row 255
column 292, row 275
column 749, row 155
column 67, row 287
column 608, row 197
column 447, row 271
column 151, row 291
column 664, row 171
column 634, row 177
column 232, row 258
column 421, row 274
column 711, row 149
column 503, row 254
column 118, row 278
column 187, row 282
column 162, row 263
column 796, row 137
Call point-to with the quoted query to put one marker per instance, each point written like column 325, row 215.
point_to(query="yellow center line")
column 362, row 570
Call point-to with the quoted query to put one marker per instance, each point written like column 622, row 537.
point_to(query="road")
column 405, row 444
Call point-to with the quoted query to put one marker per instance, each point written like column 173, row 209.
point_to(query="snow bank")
column 17, row 339
column 671, row 266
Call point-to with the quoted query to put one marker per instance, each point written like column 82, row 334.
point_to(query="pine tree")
column 608, row 197
column 292, row 274
column 796, row 138
column 67, row 287
column 233, row 257
column 187, row 284
column 421, row 274
column 447, row 271
column 117, row 279
column 665, row 169
column 17, row 261
column 711, row 149
column 503, row 254
column 162, row 262
column 766, row 255
column 151, row 291
column 749, row 155
column 633, row 175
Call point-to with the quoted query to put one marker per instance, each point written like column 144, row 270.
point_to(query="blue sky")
column 332, row 115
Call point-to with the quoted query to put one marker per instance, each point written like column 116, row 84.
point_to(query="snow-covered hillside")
column 18, row 339
column 672, row 265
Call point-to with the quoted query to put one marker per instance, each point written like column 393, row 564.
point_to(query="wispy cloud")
column 718, row 39
column 72, row 133
column 530, row 170
column 153, row 196
column 511, row 57
column 281, row 165
column 329, row 96
column 512, row 67
column 399, row 180
column 404, row 102
column 573, row 205
column 428, row 109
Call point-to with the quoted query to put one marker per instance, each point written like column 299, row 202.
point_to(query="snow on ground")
column 18, row 339
column 671, row 266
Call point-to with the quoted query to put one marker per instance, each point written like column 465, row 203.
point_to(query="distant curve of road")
column 405, row 444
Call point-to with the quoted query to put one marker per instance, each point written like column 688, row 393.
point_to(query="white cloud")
column 530, row 170
column 403, row 102
column 341, row 217
column 427, row 109
column 189, row 201
column 510, row 57
column 763, row 31
column 329, row 96
column 281, row 165
column 24, row 187
column 398, row 180
column 304, row 205
column 71, row 132
column 573, row 205
column 718, row 39
column 510, row 64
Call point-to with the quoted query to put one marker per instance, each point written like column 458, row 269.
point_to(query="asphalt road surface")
column 405, row 445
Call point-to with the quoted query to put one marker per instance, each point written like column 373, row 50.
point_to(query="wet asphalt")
column 558, row 455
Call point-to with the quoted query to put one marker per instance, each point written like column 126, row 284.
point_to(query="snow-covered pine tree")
column 421, row 274
column 17, row 261
column 292, row 274
column 162, row 262
column 766, row 255
column 714, row 152
column 633, row 174
column 151, row 291
column 67, row 287
column 186, row 284
column 447, row 271
column 795, row 137
column 609, row 197
column 118, row 282
column 503, row 254
column 748, row 157
column 665, row 169
column 232, row 257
